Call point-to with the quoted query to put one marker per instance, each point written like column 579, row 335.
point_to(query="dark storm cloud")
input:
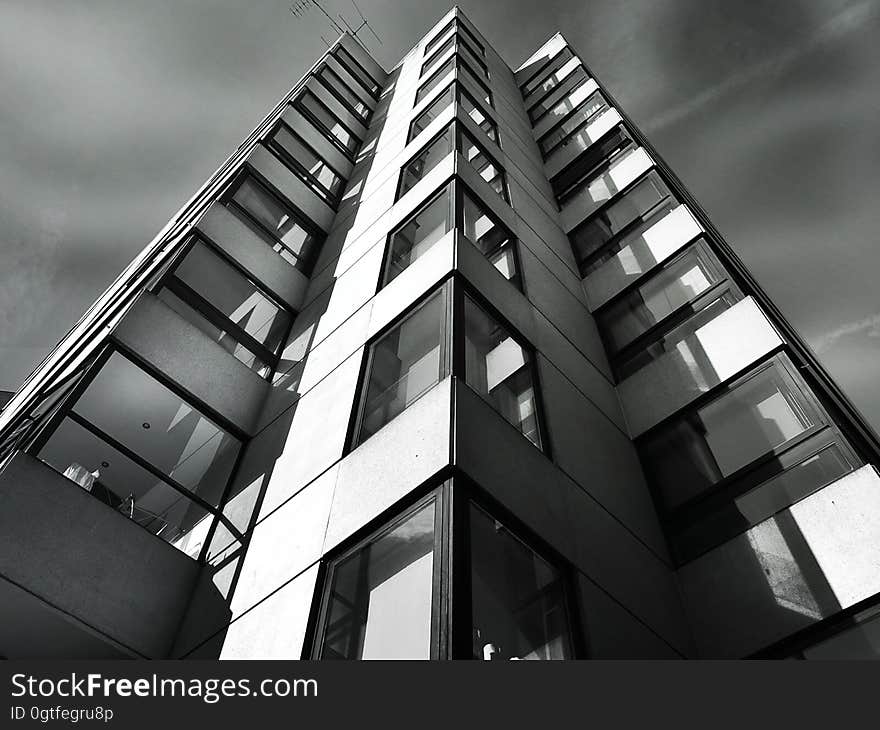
column 114, row 112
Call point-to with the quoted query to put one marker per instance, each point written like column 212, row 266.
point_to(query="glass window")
column 492, row 239
column 517, row 597
column 673, row 286
column 757, row 415
column 419, row 234
column 670, row 340
column 641, row 205
column 287, row 231
column 546, row 79
column 441, row 49
column 426, row 160
column 561, row 108
column 327, row 123
column 580, row 118
column 434, row 81
column 342, row 91
column 591, row 168
column 432, row 44
column 430, row 113
column 228, row 306
column 793, row 475
column 350, row 64
column 464, row 70
column 470, row 107
column 471, row 36
column 123, row 484
column 149, row 419
column 499, row 369
column 308, row 165
column 483, row 164
column 404, row 364
column 470, row 56
column 381, row 597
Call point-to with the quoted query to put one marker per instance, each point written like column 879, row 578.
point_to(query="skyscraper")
column 441, row 363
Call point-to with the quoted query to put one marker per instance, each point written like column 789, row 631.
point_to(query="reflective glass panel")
column 415, row 237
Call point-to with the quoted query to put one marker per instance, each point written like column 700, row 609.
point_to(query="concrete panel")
column 284, row 543
column 788, row 572
column 644, row 253
column 286, row 611
column 612, row 632
column 90, row 561
column 628, row 168
column 390, row 464
column 291, row 187
column 721, row 348
column 593, row 451
column 167, row 341
column 254, row 255
column 556, row 508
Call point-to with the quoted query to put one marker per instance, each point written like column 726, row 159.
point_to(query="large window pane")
column 404, row 364
column 641, row 199
column 380, row 599
column 419, row 234
column 558, row 110
column 303, row 159
column 426, row 160
column 587, row 111
column 290, row 238
column 478, row 116
column 590, row 168
column 124, row 485
column 350, row 64
column 145, row 416
column 489, row 236
column 327, row 122
column 483, row 164
column 435, row 79
column 343, row 92
column 431, row 112
column 499, row 369
column 670, row 288
column 483, row 94
column 690, row 455
column 518, row 604
column 548, row 78
column 234, row 296
column 441, row 49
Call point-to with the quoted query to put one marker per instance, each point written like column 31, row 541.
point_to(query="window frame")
column 300, row 170
column 328, row 83
column 340, row 53
column 455, row 219
column 451, row 611
column 302, row 220
column 189, row 296
column 299, row 104
column 584, row 123
column 742, row 480
column 65, row 411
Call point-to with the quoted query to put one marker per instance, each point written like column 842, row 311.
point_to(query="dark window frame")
column 453, row 496
column 189, row 296
column 455, row 220
column 459, row 134
column 303, row 221
column 749, row 475
column 723, row 282
column 328, row 83
column 544, row 72
column 583, row 179
column 340, row 53
column 299, row 169
column 536, row 118
column 584, row 123
column 299, row 105
column 69, row 401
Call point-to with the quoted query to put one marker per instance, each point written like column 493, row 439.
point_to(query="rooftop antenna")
column 364, row 24
column 301, row 7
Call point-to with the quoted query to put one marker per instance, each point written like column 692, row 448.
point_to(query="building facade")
column 441, row 363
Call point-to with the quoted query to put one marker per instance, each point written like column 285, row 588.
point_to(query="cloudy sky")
column 114, row 111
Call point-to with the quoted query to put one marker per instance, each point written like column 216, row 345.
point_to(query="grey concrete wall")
column 89, row 561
